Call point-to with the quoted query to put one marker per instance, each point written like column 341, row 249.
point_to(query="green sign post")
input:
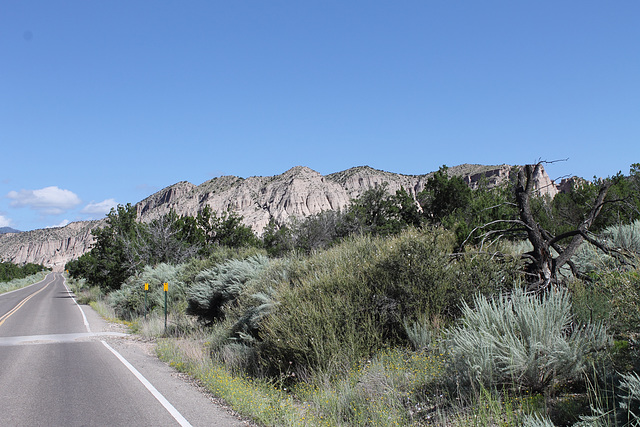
column 146, row 291
column 166, row 291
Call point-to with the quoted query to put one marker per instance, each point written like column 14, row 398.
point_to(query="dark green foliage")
column 566, row 210
column 419, row 278
column 216, row 287
column 115, row 254
column 277, row 240
column 375, row 212
column 476, row 223
column 224, row 230
column 10, row 271
column 444, row 196
column 378, row 213
column 621, row 206
column 406, row 209
column 312, row 233
column 468, row 213
column 124, row 246
column 317, row 231
column 621, row 291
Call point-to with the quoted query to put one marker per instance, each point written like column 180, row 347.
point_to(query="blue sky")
column 106, row 102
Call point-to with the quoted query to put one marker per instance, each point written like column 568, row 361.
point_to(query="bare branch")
column 498, row 221
column 583, row 227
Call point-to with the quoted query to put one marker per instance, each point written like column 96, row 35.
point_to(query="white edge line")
column 164, row 402
column 84, row 318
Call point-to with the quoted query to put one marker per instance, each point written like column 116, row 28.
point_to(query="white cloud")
column 5, row 222
column 48, row 200
column 99, row 209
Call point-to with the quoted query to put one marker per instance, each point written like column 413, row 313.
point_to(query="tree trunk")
column 543, row 267
column 540, row 270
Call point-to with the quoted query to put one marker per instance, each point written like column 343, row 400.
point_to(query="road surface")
column 60, row 365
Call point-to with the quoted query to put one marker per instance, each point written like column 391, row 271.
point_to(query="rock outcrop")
column 299, row 192
column 52, row 247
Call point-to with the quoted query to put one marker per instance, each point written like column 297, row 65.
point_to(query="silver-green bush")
column 522, row 340
column 625, row 237
column 217, row 286
column 536, row 421
column 128, row 301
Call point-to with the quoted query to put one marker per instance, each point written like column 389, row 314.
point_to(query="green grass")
column 387, row 390
column 257, row 399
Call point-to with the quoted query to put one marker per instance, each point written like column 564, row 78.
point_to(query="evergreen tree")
column 115, row 254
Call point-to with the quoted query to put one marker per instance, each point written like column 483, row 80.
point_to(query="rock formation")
column 298, row 192
column 51, row 247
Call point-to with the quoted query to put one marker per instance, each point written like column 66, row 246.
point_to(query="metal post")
column 166, row 291
column 146, row 290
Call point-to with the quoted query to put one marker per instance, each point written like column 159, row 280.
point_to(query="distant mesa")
column 296, row 193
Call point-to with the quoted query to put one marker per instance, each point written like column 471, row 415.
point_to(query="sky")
column 106, row 102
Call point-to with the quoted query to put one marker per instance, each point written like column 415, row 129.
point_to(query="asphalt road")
column 60, row 365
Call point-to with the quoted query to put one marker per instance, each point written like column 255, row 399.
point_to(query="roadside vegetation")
column 13, row 276
column 394, row 313
column 10, row 271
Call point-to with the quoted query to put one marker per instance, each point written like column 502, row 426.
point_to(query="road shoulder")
column 191, row 400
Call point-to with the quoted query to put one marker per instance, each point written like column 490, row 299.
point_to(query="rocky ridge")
column 298, row 192
column 51, row 247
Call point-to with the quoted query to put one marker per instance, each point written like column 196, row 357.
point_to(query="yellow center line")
column 21, row 303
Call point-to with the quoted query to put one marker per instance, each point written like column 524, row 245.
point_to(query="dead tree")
column 542, row 266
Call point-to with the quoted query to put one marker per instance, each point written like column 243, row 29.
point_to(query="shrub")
column 522, row 341
column 612, row 290
column 218, row 286
column 10, row 271
column 537, row 420
column 128, row 301
column 621, row 292
column 625, row 238
column 420, row 334
column 355, row 298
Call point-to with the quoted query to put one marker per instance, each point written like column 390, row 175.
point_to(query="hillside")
column 298, row 192
column 51, row 247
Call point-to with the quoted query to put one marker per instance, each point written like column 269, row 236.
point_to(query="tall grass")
column 258, row 399
column 630, row 388
column 390, row 389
